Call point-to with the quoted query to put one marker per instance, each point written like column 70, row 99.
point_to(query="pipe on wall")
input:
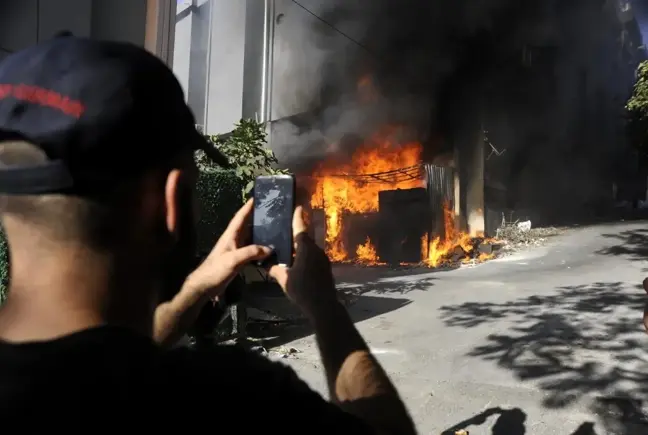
column 257, row 64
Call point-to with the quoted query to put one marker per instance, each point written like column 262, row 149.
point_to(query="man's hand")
column 209, row 280
column 309, row 282
column 228, row 256
column 356, row 381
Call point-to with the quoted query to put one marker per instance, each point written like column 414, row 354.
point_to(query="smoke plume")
column 542, row 76
column 406, row 52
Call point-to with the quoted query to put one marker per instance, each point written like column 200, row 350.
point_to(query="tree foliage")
column 221, row 192
column 637, row 109
column 245, row 147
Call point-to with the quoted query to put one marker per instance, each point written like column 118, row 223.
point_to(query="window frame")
column 159, row 37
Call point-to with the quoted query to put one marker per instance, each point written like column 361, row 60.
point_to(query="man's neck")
column 62, row 291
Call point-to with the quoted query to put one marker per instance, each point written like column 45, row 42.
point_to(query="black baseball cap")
column 100, row 111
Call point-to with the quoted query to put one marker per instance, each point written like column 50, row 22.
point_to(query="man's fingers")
column 240, row 257
column 240, row 219
column 298, row 224
column 279, row 274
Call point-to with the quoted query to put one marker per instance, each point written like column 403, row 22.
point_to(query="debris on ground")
column 286, row 352
column 524, row 226
column 518, row 235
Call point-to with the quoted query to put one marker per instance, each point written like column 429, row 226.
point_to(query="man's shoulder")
column 112, row 365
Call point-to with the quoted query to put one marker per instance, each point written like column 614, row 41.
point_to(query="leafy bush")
column 637, row 108
column 222, row 192
column 245, row 148
column 219, row 196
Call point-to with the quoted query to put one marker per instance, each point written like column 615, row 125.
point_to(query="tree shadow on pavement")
column 363, row 301
column 581, row 341
column 631, row 243
column 620, row 415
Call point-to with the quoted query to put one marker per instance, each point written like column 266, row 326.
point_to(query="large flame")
column 337, row 194
column 435, row 252
column 460, row 243
column 338, row 191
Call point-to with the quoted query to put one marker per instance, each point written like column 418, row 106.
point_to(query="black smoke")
column 641, row 9
column 546, row 79
column 410, row 50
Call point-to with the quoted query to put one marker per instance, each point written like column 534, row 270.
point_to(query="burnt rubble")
column 515, row 236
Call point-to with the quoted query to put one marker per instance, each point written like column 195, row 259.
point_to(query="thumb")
column 279, row 274
column 298, row 224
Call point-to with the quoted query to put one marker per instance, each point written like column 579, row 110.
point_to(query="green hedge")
column 219, row 195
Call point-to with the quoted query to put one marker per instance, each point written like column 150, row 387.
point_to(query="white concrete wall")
column 208, row 59
column 182, row 42
column 209, row 46
column 299, row 57
column 225, row 83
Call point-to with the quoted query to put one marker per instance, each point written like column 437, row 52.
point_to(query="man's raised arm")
column 357, row 383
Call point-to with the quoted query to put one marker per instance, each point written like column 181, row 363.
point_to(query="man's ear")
column 173, row 202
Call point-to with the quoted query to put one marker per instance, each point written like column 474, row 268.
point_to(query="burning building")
column 415, row 125
column 404, row 114
column 383, row 205
column 522, row 104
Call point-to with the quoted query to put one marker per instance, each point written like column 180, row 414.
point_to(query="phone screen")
column 274, row 204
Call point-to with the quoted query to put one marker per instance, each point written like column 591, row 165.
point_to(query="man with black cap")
column 96, row 198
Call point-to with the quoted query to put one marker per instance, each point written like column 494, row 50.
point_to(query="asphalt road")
column 548, row 341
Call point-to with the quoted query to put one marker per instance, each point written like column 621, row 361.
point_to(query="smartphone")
column 274, row 205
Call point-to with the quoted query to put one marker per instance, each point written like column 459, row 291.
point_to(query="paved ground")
column 548, row 341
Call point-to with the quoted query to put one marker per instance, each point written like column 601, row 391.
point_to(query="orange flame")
column 440, row 249
column 337, row 194
column 366, row 253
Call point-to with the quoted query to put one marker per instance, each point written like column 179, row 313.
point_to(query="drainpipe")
column 257, row 64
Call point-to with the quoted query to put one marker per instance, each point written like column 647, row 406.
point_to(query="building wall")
column 209, row 58
column 209, row 46
column 25, row 22
column 116, row 20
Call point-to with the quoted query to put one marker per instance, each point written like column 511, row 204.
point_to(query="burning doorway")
column 384, row 206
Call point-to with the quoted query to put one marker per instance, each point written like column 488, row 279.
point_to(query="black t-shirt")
column 109, row 378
